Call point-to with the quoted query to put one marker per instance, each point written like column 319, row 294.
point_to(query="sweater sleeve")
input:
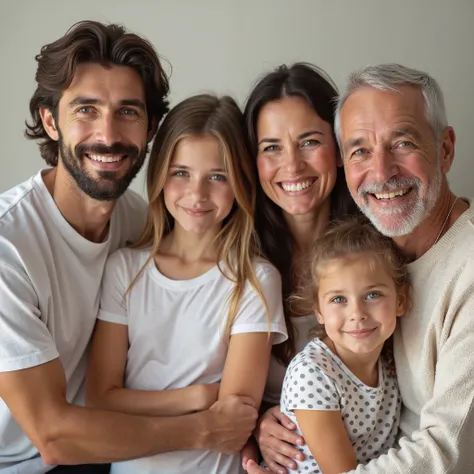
column 443, row 442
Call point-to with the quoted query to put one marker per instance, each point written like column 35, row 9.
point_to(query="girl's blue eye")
column 373, row 295
column 338, row 299
column 180, row 173
column 218, row 177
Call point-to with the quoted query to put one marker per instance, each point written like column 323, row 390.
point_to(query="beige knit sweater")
column 434, row 353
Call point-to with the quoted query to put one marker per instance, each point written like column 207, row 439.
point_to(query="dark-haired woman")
column 289, row 120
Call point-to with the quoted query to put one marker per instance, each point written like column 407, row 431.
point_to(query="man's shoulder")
column 17, row 196
column 460, row 245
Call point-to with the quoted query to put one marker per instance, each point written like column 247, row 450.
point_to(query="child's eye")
column 373, row 295
column 180, row 173
column 217, row 177
column 338, row 299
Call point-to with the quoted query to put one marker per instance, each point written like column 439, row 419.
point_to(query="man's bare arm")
column 67, row 434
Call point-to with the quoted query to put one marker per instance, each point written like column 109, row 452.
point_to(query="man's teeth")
column 105, row 158
column 391, row 195
column 293, row 187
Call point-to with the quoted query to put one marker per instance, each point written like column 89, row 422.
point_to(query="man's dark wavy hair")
column 94, row 42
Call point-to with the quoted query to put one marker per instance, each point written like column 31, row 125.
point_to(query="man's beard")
column 107, row 186
column 404, row 219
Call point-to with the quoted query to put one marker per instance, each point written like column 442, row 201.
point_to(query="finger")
column 253, row 468
column 285, row 449
column 285, row 421
column 278, row 463
column 279, row 433
column 249, row 451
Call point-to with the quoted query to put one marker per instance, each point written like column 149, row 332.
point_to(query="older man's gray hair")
column 389, row 77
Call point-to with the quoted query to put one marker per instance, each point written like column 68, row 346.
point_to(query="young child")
column 341, row 391
column 190, row 313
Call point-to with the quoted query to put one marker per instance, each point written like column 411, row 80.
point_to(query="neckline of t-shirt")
column 353, row 377
column 439, row 248
column 182, row 285
column 63, row 225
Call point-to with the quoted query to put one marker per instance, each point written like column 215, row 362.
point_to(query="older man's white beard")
column 406, row 218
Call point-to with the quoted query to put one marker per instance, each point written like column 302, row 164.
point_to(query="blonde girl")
column 189, row 314
column 341, row 390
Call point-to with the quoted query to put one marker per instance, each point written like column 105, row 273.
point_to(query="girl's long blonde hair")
column 236, row 243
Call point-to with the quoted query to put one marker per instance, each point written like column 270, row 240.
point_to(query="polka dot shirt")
column 317, row 379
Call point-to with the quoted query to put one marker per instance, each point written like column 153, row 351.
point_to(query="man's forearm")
column 86, row 435
column 172, row 402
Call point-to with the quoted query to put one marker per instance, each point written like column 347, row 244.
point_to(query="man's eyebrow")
column 405, row 131
column 133, row 103
column 84, row 100
column 353, row 142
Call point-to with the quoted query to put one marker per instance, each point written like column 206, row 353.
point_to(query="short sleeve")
column 25, row 341
column 306, row 387
column 252, row 315
column 113, row 307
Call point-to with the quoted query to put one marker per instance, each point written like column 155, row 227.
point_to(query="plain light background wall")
column 225, row 45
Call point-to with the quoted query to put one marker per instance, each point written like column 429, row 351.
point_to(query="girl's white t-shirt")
column 176, row 338
column 276, row 373
column 317, row 379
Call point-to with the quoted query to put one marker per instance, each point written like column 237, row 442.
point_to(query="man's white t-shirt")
column 176, row 338
column 50, row 280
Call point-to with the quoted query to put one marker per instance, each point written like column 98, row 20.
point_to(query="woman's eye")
column 270, row 148
column 310, row 142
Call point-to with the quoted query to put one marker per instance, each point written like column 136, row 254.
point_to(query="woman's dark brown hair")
column 94, row 42
column 314, row 85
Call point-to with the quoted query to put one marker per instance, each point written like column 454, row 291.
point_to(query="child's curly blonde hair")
column 344, row 239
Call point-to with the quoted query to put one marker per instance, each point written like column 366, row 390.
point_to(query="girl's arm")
column 246, row 366
column 107, row 361
column 327, row 439
column 248, row 357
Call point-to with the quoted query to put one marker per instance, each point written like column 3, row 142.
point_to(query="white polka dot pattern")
column 316, row 379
